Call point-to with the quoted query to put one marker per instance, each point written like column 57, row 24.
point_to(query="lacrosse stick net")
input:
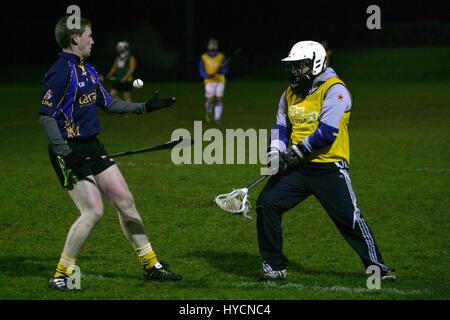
column 236, row 202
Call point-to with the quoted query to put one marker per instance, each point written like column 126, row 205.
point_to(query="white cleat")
column 388, row 275
column 275, row 275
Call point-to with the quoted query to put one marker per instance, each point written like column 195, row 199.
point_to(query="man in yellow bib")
column 212, row 68
column 312, row 154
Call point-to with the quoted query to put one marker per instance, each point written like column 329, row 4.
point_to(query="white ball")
column 138, row 83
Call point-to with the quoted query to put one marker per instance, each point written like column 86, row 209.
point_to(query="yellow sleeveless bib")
column 304, row 118
column 212, row 65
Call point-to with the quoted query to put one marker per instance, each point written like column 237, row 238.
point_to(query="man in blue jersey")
column 72, row 92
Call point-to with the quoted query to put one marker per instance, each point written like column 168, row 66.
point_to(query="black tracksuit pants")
column 331, row 185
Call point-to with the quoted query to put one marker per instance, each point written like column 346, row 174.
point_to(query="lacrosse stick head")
column 235, row 203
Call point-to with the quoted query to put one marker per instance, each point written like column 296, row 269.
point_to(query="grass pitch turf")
column 400, row 139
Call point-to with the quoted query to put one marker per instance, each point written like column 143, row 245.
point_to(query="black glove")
column 155, row 104
column 293, row 156
column 74, row 160
column 289, row 159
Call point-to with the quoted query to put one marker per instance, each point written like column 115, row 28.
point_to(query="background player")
column 121, row 73
column 324, row 43
column 72, row 93
column 313, row 156
column 213, row 67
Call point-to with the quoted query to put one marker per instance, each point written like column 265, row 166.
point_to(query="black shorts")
column 93, row 149
column 126, row 86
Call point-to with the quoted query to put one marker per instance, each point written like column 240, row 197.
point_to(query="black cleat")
column 60, row 284
column 161, row 274
column 388, row 275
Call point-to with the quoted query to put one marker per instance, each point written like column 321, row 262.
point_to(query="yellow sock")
column 63, row 268
column 147, row 256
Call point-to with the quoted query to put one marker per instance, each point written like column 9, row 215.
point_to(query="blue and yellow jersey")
column 213, row 67
column 71, row 93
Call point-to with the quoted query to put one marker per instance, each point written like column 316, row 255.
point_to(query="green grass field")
column 400, row 139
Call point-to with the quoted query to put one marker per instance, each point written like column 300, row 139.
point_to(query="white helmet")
column 309, row 50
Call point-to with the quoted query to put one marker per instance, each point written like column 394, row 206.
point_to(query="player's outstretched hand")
column 155, row 103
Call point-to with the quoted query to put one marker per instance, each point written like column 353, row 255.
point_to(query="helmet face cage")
column 296, row 70
column 305, row 61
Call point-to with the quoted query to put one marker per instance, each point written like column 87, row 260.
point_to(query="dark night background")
column 167, row 37
column 399, row 79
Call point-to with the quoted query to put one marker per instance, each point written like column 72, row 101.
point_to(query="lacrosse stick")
column 180, row 143
column 234, row 54
column 236, row 202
